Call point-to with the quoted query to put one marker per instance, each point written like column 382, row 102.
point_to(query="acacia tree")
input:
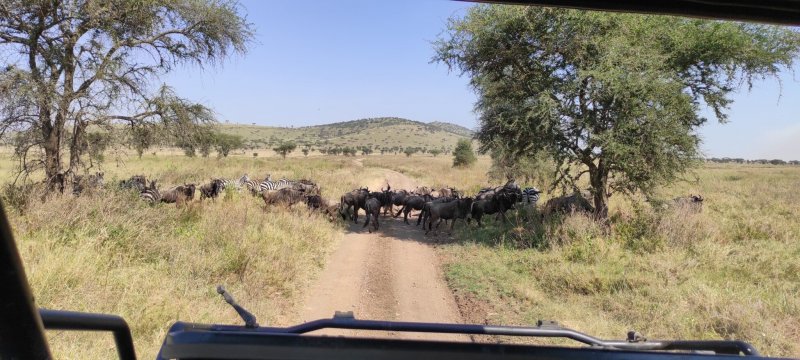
column 225, row 143
column 285, row 148
column 76, row 64
column 616, row 97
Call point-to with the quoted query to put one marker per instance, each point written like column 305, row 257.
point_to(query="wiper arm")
column 248, row 317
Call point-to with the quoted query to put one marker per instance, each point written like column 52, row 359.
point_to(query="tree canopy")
column 225, row 143
column 463, row 155
column 285, row 148
column 617, row 97
column 78, row 64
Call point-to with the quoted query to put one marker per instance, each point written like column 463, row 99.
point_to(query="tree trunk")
column 75, row 147
column 51, row 138
column 599, row 182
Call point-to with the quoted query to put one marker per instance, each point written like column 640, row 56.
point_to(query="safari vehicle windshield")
column 247, row 179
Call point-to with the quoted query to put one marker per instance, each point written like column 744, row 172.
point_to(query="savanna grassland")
column 113, row 253
column 731, row 271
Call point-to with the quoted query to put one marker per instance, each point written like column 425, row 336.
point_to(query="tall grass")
column 729, row 272
column 112, row 253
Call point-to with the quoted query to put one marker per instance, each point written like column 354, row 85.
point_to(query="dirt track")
column 391, row 274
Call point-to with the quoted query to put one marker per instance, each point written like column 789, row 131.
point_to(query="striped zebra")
column 235, row 184
column 268, row 184
column 151, row 193
column 251, row 185
column 530, row 196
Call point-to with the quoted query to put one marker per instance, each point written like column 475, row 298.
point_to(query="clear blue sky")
column 316, row 62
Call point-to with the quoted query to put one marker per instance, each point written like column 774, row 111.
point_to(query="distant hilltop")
column 376, row 133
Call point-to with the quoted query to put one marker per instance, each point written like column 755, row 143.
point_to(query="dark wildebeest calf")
column 373, row 209
column 453, row 210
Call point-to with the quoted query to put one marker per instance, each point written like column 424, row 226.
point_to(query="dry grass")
column 728, row 272
column 153, row 265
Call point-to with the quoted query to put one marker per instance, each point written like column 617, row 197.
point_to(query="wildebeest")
column 151, row 193
column 372, row 208
column 413, row 202
column 285, row 196
column 510, row 188
column 212, row 189
column 453, row 210
column 315, row 202
column 384, row 197
column 692, row 202
column 499, row 203
column 426, row 209
column 178, row 194
column 332, row 211
column 355, row 200
column 398, row 197
column 91, row 182
column 567, row 204
column 306, row 186
column 137, row 182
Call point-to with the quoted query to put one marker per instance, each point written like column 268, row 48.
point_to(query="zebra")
column 268, row 184
column 530, row 196
column 252, row 185
column 151, row 193
column 236, row 184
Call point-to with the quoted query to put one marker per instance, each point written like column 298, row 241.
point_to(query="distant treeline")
column 727, row 160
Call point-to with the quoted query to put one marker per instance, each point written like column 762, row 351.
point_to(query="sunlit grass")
column 730, row 271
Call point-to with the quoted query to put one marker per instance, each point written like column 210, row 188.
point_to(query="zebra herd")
column 255, row 186
column 149, row 190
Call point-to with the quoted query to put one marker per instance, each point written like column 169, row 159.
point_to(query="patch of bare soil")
column 391, row 274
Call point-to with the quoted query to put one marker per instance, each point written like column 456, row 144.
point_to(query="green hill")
column 376, row 133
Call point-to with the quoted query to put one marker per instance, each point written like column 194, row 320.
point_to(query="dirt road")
column 391, row 274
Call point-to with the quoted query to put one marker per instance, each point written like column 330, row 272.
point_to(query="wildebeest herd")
column 433, row 205
column 448, row 204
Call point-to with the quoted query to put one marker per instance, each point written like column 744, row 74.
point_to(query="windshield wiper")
column 248, row 317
